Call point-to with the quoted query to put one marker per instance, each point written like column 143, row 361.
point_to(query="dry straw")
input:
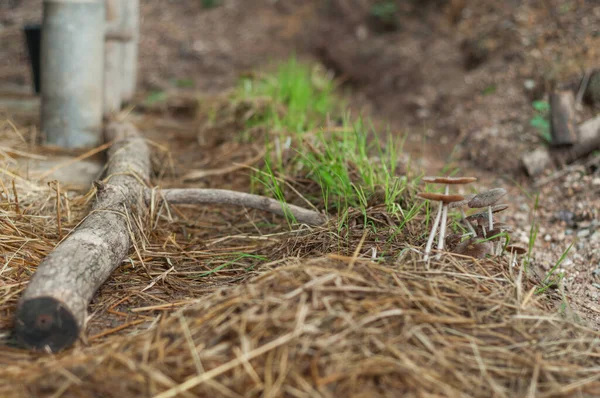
column 314, row 328
column 211, row 304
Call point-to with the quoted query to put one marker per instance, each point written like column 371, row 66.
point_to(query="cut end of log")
column 44, row 323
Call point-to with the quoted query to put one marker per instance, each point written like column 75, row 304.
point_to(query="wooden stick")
column 223, row 196
column 52, row 312
column 562, row 120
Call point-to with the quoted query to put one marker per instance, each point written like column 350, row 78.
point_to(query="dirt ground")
column 458, row 77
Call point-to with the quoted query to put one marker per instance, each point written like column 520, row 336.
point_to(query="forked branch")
column 222, row 196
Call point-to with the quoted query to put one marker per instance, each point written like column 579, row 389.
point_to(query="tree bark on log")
column 52, row 312
column 562, row 119
column 223, row 196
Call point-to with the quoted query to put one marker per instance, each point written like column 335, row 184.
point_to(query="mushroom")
column 487, row 199
column 484, row 216
column 505, row 227
column 452, row 240
column 474, row 248
column 515, row 251
column 496, row 234
column 441, row 213
column 459, row 205
column 447, row 181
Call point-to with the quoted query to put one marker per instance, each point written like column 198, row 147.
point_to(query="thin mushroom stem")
column 442, row 229
column 440, row 245
column 469, row 226
column 491, row 218
column 433, row 231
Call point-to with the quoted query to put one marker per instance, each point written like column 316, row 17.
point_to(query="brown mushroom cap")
column 503, row 226
column 487, row 198
column 518, row 250
column 482, row 216
column 440, row 197
column 471, row 247
column 455, row 205
column 449, row 180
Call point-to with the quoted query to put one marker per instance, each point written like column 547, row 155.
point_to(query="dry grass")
column 338, row 327
column 229, row 302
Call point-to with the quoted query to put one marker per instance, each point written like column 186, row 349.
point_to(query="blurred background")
column 463, row 71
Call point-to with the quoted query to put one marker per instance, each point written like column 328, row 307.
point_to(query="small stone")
column 583, row 233
column 529, row 84
column 547, row 238
column 567, row 263
column 536, row 161
column 566, row 216
column 362, row 33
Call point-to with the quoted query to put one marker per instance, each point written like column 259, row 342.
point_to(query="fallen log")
column 223, row 196
column 52, row 312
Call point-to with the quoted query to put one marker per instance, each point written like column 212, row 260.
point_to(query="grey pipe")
column 130, row 51
column 113, row 57
column 72, row 72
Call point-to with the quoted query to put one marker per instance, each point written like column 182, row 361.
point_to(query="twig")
column 69, row 162
column 22, row 154
column 17, row 208
column 58, row 225
column 195, row 175
column 116, row 329
column 566, row 170
column 357, row 250
column 223, row 196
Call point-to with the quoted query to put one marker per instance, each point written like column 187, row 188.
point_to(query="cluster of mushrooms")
column 484, row 236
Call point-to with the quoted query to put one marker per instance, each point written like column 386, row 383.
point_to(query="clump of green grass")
column 306, row 93
column 348, row 162
column 554, row 278
column 207, row 4
column 352, row 165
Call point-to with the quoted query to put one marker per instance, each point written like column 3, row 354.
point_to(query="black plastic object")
column 33, row 36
